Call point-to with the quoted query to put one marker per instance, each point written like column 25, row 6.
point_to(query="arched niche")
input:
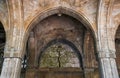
column 60, row 56
column 117, row 46
column 57, row 26
column 60, row 10
column 2, row 44
column 62, row 44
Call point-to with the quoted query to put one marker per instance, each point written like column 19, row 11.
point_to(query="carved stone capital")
column 11, row 52
column 102, row 54
column 12, row 55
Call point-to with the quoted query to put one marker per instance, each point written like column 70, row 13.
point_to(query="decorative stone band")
column 102, row 54
column 13, row 55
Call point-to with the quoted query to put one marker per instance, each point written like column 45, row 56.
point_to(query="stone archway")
column 65, row 61
column 56, row 26
column 117, row 46
column 60, row 10
column 2, row 44
column 67, row 43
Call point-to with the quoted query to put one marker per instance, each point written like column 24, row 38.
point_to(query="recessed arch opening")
column 64, row 42
column 2, row 44
column 61, row 55
column 61, row 10
column 40, row 21
column 117, row 47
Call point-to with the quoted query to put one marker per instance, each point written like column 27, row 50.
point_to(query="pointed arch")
column 61, row 10
column 2, row 44
column 117, row 47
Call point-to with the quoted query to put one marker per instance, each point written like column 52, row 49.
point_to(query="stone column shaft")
column 108, row 65
column 108, row 68
column 11, row 68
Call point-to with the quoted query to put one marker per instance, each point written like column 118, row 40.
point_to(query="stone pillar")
column 108, row 65
column 15, row 40
column 106, row 50
column 11, row 68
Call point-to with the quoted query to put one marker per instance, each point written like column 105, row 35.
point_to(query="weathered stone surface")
column 101, row 18
column 11, row 68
